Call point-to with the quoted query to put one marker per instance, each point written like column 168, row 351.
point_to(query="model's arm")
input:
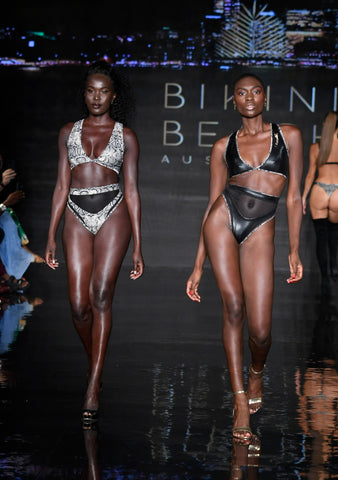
column 293, row 199
column 132, row 196
column 218, row 179
column 61, row 191
column 309, row 179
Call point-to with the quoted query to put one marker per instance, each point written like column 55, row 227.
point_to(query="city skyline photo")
column 82, row 16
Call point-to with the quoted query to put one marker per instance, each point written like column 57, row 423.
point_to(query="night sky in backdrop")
column 122, row 16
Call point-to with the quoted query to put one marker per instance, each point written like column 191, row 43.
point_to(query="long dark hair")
column 329, row 127
column 123, row 108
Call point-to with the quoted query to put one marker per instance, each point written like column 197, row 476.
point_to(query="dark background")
column 173, row 179
column 167, row 403
column 123, row 17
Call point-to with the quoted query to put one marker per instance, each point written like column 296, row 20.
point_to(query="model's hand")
column 296, row 268
column 138, row 266
column 192, row 285
column 50, row 255
column 8, row 175
column 14, row 198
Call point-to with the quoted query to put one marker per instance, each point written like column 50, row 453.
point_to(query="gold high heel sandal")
column 258, row 401
column 254, row 452
column 241, row 430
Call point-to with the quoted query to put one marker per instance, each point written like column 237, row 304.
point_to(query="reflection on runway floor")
column 166, row 404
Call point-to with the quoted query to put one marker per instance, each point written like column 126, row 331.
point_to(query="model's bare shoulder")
column 66, row 129
column 221, row 143
column 290, row 129
column 128, row 133
column 292, row 134
column 130, row 138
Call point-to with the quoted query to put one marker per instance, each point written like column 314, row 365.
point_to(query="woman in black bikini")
column 99, row 220
column 248, row 172
column 324, row 198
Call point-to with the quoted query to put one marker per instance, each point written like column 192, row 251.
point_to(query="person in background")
column 321, row 182
column 14, row 311
column 14, row 252
column 99, row 219
column 248, row 172
column 3, row 274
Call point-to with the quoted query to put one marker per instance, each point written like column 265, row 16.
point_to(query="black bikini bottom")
column 92, row 206
column 248, row 210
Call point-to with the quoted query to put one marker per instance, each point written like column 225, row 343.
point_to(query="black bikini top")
column 276, row 162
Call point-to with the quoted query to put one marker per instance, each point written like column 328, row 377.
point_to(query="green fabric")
column 22, row 234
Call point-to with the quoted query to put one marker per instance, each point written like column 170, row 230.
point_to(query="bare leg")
column 257, row 260
column 223, row 252
column 92, row 471
column 110, row 247
column 78, row 248
column 93, row 266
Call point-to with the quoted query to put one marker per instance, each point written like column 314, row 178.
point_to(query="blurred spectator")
column 14, row 253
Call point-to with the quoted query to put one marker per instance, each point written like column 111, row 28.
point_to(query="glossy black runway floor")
column 166, row 404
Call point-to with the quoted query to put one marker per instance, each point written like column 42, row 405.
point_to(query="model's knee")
column 102, row 298
column 81, row 313
column 260, row 339
column 234, row 311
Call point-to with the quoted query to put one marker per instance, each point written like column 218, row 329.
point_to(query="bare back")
column 328, row 173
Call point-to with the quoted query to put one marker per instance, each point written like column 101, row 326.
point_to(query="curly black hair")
column 123, row 108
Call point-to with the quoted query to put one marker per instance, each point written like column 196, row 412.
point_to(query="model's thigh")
column 78, row 248
column 223, row 252
column 333, row 207
column 110, row 246
column 257, row 269
column 319, row 202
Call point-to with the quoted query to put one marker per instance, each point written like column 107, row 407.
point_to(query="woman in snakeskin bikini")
column 99, row 219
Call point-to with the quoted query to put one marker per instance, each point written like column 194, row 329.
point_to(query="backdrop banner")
column 179, row 115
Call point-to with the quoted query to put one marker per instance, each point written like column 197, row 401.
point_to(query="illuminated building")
column 312, row 33
column 302, row 24
column 252, row 34
column 228, row 9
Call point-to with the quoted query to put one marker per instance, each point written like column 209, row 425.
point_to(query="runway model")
column 248, row 172
column 99, row 219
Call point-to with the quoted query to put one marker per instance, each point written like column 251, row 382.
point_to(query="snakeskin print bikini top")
column 276, row 162
column 112, row 155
